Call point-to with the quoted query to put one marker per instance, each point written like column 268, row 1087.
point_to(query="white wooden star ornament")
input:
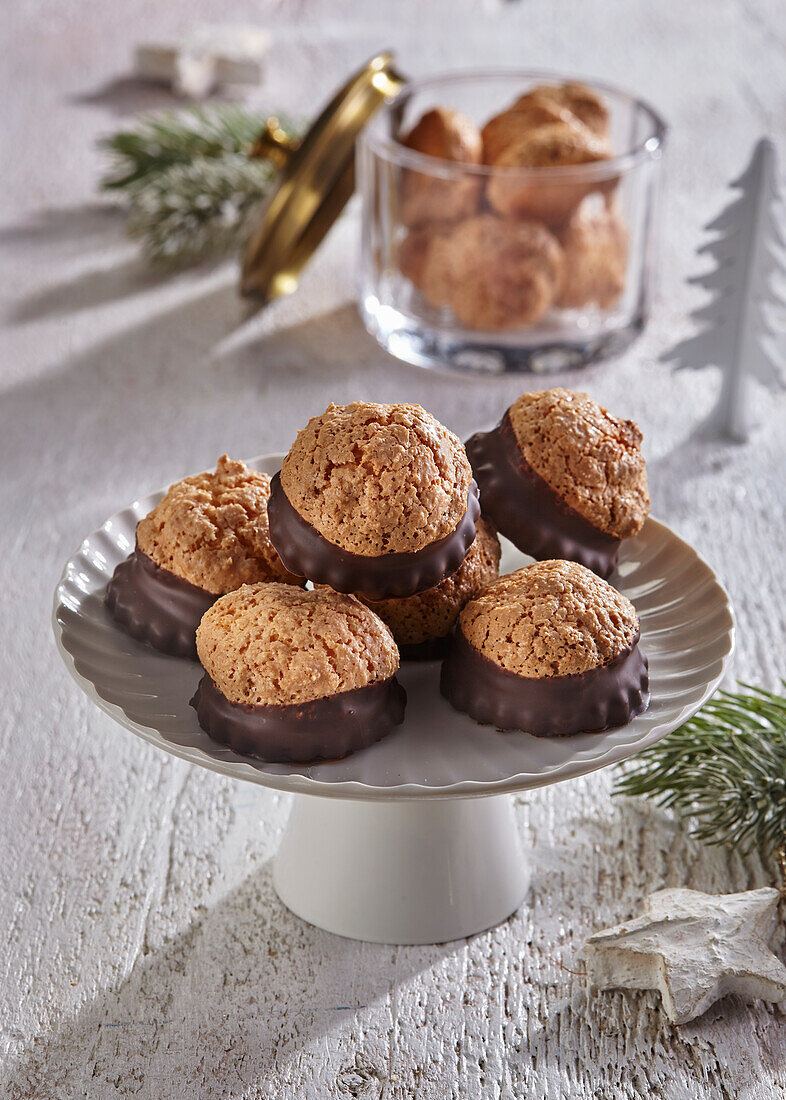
column 209, row 55
column 694, row 948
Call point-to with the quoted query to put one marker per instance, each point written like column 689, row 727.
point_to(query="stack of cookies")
column 300, row 595
column 497, row 241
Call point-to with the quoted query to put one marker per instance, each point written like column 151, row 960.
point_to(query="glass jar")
column 495, row 269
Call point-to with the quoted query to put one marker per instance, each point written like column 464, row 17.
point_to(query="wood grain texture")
column 145, row 953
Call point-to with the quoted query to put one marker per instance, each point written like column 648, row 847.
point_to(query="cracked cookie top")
column 273, row 644
column 211, row 530
column 591, row 459
column 553, row 618
column 378, row 479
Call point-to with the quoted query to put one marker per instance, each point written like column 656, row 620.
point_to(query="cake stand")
column 412, row 840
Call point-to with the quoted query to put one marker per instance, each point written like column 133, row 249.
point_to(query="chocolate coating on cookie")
column 388, row 575
column 550, row 649
column 155, row 606
column 208, row 535
column 323, row 729
column 559, row 706
column 422, row 624
column 528, row 511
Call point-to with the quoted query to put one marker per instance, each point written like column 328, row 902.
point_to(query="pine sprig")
column 189, row 181
column 726, row 768
column 197, row 211
column 179, row 137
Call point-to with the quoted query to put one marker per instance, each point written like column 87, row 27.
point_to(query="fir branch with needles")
column 197, row 211
column 180, row 137
column 725, row 768
column 189, row 181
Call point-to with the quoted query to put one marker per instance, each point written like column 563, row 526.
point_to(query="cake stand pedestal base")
column 403, row 872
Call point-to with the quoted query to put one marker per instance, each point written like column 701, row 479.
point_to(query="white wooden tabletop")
column 143, row 951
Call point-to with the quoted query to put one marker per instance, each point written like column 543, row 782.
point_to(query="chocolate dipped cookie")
column 422, row 625
column 377, row 500
column 296, row 676
column 207, row 536
column 551, row 650
column 563, row 478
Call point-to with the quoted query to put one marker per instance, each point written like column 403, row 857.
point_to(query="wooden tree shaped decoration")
column 744, row 336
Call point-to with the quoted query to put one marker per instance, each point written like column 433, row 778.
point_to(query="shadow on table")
column 85, row 224
column 131, row 391
column 336, row 358
column 201, row 993
column 164, row 397
column 128, row 95
column 89, row 290
column 318, row 347
column 72, row 232
column 700, row 455
column 708, row 464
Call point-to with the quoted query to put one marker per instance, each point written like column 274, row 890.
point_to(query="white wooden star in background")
column 694, row 948
column 209, row 55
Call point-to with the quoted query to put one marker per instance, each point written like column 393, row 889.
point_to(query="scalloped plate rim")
column 355, row 789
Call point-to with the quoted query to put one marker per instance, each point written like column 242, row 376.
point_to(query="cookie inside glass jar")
column 519, row 226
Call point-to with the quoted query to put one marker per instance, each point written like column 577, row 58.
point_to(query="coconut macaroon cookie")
column 292, row 675
column 426, row 197
column 577, row 99
column 563, row 478
column 377, row 500
column 595, row 242
column 422, row 624
column 554, row 145
column 207, row 536
column 550, row 649
column 493, row 273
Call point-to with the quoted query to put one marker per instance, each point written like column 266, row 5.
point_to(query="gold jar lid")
column 316, row 180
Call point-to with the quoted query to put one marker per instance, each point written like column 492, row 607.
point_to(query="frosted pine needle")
column 160, row 140
column 188, row 180
column 726, row 768
column 192, row 212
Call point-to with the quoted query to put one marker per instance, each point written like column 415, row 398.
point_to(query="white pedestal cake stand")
column 412, row 840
